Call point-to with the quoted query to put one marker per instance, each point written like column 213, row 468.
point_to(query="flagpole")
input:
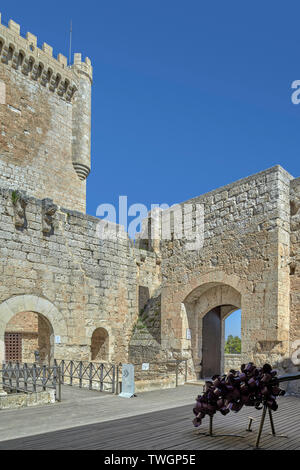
column 70, row 49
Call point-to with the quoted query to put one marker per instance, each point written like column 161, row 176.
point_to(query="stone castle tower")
column 45, row 120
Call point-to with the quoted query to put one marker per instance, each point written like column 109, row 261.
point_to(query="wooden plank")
column 171, row 429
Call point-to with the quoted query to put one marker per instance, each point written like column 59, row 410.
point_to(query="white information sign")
column 188, row 333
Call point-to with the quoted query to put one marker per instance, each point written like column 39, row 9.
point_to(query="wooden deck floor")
column 172, row 429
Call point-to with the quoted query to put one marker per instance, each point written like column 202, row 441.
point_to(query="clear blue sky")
column 187, row 95
column 233, row 324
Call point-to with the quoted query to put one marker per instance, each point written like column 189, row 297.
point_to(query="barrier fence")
column 105, row 377
column 30, row 378
column 93, row 375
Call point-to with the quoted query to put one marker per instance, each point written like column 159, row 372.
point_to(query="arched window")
column 100, row 345
column 10, row 53
column 40, row 70
column 20, row 59
column 30, row 64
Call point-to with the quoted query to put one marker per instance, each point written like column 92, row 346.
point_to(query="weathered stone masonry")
column 142, row 298
column 45, row 121
column 249, row 260
column 92, row 283
column 244, row 263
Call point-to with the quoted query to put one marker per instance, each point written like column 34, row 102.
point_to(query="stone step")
column 200, row 382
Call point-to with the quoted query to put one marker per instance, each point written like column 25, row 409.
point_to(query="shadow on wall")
column 145, row 343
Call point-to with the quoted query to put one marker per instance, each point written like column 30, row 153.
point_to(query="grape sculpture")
column 252, row 386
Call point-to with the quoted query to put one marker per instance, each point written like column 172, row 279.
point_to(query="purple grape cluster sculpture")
column 252, row 386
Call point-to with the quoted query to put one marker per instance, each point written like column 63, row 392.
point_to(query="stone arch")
column 32, row 303
column 199, row 284
column 100, row 345
column 213, row 294
column 213, row 299
column 229, row 312
column 26, row 333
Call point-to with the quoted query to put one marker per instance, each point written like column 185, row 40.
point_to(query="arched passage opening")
column 233, row 342
column 100, row 345
column 207, row 308
column 48, row 315
column 29, row 338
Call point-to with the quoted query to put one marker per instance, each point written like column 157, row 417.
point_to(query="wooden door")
column 211, row 343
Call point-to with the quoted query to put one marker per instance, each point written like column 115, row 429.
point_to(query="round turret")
column 81, row 120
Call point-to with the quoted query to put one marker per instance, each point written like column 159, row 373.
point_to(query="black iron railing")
column 30, row 378
column 93, row 375
column 104, row 377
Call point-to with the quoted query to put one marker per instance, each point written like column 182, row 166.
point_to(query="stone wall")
column 244, row 259
column 24, row 322
column 44, row 120
column 294, row 269
column 70, row 276
column 145, row 337
column 21, row 400
column 232, row 361
column 294, row 273
column 79, row 282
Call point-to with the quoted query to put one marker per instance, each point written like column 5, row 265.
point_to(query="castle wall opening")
column 232, row 339
column 38, row 324
column 207, row 308
column 26, row 334
column 216, row 357
column 100, row 345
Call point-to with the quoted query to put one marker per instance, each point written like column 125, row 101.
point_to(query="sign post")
column 127, row 381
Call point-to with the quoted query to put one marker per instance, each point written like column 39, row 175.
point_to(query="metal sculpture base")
column 211, row 434
column 261, row 425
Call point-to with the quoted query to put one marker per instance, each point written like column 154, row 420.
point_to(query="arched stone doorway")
column 214, row 360
column 27, row 333
column 100, row 345
column 40, row 308
column 206, row 308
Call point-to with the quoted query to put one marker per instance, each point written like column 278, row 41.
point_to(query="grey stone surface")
column 79, row 407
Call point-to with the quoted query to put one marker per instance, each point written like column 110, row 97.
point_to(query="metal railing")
column 91, row 375
column 30, row 378
column 104, row 377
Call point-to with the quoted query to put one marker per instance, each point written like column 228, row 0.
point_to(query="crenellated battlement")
column 83, row 67
column 23, row 55
column 45, row 118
